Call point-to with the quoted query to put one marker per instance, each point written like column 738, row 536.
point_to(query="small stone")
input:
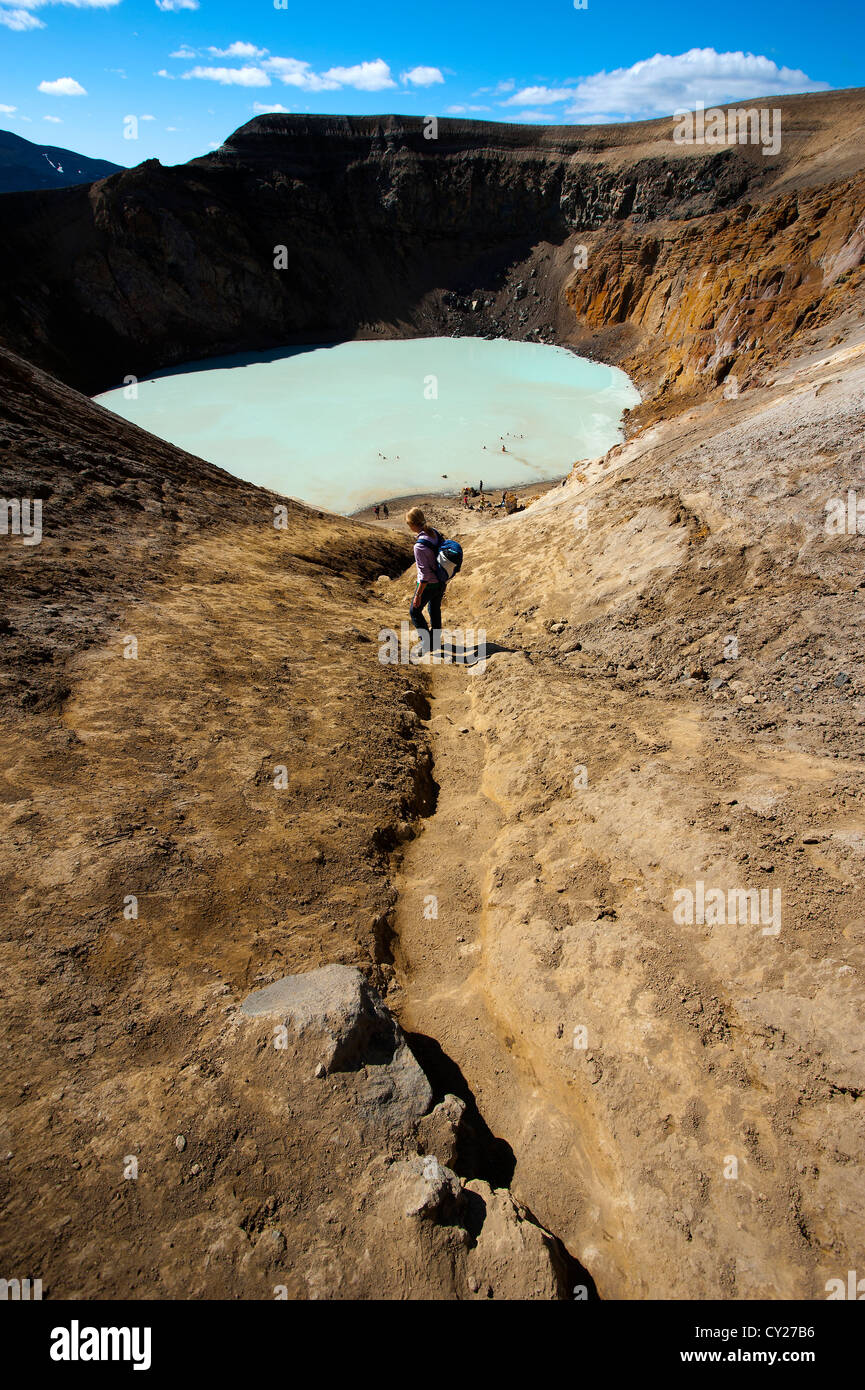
column 321, row 1070
column 195, row 1169
column 180, row 1143
column 841, row 679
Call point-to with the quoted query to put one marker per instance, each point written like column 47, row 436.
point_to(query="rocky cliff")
column 701, row 260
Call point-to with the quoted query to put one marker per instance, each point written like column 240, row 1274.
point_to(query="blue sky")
column 191, row 71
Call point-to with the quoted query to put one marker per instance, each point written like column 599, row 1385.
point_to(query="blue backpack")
column 449, row 557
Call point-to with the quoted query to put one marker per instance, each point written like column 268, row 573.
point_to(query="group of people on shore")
column 468, row 493
column 467, row 499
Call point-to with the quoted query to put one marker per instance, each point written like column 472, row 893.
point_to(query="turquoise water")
column 346, row 425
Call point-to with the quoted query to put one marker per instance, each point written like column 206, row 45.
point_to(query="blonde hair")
column 415, row 517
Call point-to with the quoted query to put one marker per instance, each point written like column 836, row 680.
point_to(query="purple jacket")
column 425, row 557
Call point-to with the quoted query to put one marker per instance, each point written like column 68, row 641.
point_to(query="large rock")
column 496, row 1249
column 514, row 1257
column 341, row 1015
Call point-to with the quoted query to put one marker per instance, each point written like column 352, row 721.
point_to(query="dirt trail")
column 677, row 627
column 441, row 961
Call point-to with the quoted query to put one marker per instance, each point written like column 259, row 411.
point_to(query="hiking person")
column 385, row 512
column 375, row 511
column 430, row 590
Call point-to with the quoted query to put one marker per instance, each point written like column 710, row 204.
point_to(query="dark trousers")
column 432, row 598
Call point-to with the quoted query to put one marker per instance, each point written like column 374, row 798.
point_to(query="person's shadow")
column 458, row 654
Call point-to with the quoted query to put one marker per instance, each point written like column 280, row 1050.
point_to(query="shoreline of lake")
column 340, row 426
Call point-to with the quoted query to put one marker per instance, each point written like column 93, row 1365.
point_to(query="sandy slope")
column 183, row 826
column 555, row 901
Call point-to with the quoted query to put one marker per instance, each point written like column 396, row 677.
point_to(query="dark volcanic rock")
column 156, row 266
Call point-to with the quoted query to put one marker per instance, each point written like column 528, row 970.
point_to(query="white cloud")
column 659, row 85
column 295, row 73
column 538, row 96
column 232, row 77
column 542, row 116
column 7, row 110
column 183, row 52
column 63, row 87
column 166, row 5
column 463, row 110
column 365, row 77
column 260, row 108
column 422, row 77
column 20, row 20
column 163, row 73
column 147, row 118
column 55, row 120
column 235, row 50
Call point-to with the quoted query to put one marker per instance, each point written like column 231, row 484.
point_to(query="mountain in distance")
column 24, row 165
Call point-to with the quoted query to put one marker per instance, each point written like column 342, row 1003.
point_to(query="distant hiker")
column 385, row 512
column 430, row 589
column 504, row 450
column 437, row 560
column 375, row 511
column 481, row 485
